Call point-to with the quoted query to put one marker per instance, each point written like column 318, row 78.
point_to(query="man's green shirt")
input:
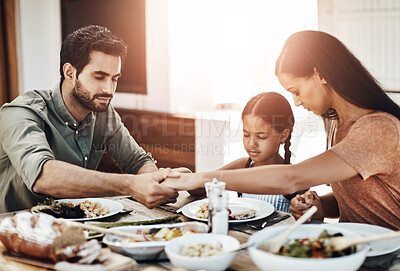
column 37, row 127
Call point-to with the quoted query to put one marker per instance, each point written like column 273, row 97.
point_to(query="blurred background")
column 193, row 64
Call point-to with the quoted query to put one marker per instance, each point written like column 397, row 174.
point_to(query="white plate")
column 236, row 205
column 377, row 248
column 115, row 207
column 153, row 250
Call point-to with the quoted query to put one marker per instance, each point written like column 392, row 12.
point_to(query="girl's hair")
column 275, row 109
column 306, row 50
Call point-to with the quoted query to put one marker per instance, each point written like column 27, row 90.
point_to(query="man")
column 52, row 140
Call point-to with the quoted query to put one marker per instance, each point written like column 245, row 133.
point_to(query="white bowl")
column 273, row 262
column 147, row 250
column 212, row 263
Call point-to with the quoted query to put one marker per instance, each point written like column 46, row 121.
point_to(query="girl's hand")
column 181, row 170
column 185, row 181
column 301, row 203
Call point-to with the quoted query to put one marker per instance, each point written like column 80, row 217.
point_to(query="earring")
column 324, row 82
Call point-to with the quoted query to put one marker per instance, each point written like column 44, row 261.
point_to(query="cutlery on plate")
column 274, row 244
column 341, row 242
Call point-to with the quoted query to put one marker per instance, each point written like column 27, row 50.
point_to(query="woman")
column 362, row 164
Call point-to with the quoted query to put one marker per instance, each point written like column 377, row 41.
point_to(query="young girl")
column 267, row 123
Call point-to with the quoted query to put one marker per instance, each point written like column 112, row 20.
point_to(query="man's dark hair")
column 78, row 45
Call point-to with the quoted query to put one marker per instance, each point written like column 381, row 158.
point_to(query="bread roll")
column 38, row 235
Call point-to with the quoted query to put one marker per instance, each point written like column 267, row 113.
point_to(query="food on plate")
column 43, row 236
column 243, row 215
column 85, row 209
column 201, row 249
column 203, row 212
column 59, row 210
column 93, row 209
column 316, row 247
column 163, row 234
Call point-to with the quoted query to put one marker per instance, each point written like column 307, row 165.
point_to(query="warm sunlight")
column 226, row 50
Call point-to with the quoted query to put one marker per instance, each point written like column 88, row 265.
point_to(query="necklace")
column 347, row 121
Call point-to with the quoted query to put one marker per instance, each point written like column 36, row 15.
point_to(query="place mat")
column 134, row 211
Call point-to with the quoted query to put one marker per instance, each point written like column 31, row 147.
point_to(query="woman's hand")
column 302, row 202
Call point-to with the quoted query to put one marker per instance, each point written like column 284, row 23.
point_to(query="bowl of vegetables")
column 155, row 237
column 307, row 248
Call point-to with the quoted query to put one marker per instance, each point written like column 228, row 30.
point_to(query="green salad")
column 316, row 247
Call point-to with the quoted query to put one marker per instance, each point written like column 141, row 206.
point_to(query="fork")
column 274, row 244
column 268, row 222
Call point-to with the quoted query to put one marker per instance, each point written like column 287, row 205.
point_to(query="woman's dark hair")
column 78, row 45
column 306, row 50
column 275, row 109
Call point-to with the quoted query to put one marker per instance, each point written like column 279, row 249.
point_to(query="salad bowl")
column 273, row 262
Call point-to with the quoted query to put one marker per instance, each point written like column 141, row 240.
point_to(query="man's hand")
column 146, row 188
column 302, row 202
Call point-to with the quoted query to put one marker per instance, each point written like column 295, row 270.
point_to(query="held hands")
column 301, row 203
column 148, row 190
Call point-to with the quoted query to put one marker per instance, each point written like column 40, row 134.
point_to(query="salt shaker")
column 219, row 212
column 217, row 207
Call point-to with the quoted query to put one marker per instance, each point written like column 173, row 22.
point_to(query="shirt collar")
column 63, row 112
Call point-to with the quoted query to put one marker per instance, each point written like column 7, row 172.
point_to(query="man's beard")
column 82, row 95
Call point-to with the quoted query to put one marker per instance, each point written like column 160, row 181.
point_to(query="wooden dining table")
column 135, row 211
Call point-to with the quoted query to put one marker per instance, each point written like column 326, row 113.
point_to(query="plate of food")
column 155, row 237
column 377, row 248
column 81, row 209
column 240, row 210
